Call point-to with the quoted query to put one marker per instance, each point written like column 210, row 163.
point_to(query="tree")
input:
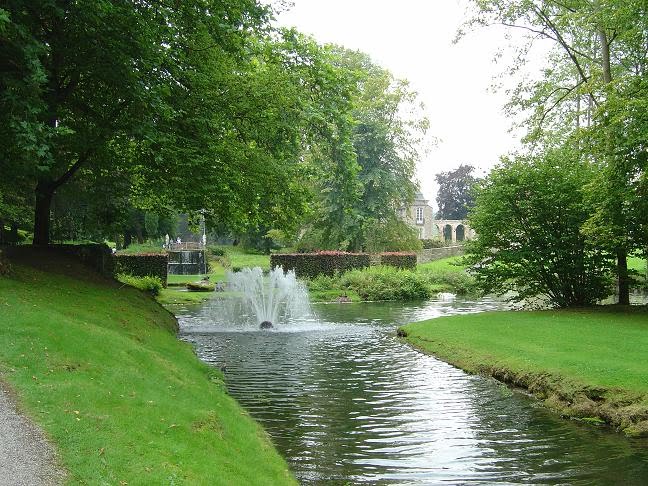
column 528, row 214
column 455, row 195
column 383, row 138
column 599, row 51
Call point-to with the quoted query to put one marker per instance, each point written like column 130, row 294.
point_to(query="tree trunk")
column 13, row 233
column 622, row 273
column 2, row 232
column 128, row 238
column 622, row 253
column 44, row 196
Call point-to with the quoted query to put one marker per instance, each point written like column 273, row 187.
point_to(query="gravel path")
column 26, row 458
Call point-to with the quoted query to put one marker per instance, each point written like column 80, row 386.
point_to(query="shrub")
column 433, row 243
column 321, row 263
column 386, row 283
column 216, row 251
column 146, row 284
column 449, row 281
column 323, row 283
column 399, row 260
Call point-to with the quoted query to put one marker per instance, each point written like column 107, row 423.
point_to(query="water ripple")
column 346, row 402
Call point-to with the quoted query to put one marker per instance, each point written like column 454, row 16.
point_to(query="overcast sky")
column 413, row 39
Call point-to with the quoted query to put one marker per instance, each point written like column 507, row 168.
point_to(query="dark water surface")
column 346, row 403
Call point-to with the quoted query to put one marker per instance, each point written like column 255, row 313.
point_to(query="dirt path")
column 26, row 458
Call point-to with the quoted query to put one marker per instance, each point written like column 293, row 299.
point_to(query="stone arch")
column 460, row 232
column 448, row 232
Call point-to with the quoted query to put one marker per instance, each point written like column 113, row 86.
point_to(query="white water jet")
column 275, row 298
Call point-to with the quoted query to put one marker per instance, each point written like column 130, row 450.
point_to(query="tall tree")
column 384, row 139
column 600, row 49
column 455, row 195
column 195, row 104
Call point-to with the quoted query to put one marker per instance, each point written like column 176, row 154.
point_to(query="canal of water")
column 346, row 402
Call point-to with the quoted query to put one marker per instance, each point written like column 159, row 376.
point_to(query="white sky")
column 413, row 39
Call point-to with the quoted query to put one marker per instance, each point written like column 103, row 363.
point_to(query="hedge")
column 399, row 260
column 321, row 263
column 142, row 265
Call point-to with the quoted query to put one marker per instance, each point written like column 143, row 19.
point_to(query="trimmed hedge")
column 321, row 263
column 143, row 265
column 399, row 260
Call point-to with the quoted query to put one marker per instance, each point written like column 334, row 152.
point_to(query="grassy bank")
column 98, row 366
column 587, row 364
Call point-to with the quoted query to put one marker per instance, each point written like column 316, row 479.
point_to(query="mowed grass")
column 240, row 258
column 450, row 264
column 98, row 366
column 599, row 347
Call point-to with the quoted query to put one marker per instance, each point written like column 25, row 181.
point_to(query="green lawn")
column 638, row 265
column 240, row 258
column 599, row 349
column 98, row 366
column 450, row 264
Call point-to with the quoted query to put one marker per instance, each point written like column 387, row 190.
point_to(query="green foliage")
column 458, row 282
column 386, row 283
column 528, row 216
column 217, row 251
column 143, row 265
column 153, row 285
column 389, row 283
column 593, row 90
column 389, row 235
column 455, row 196
column 380, row 144
column 314, row 264
column 399, row 260
column 433, row 243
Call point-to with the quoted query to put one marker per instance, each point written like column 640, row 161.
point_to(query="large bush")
column 528, row 216
column 386, row 283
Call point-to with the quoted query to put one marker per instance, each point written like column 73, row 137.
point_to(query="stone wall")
column 431, row 254
column 94, row 255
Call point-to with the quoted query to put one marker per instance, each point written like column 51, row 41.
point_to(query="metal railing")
column 186, row 245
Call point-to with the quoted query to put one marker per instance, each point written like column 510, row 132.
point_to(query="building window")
column 419, row 215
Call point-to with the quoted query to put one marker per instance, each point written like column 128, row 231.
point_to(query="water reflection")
column 345, row 401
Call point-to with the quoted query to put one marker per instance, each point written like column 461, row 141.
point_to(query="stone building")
column 420, row 216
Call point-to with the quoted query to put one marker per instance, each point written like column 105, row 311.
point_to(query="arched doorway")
column 447, row 232
column 461, row 232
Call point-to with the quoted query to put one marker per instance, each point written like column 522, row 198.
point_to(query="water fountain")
column 274, row 298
